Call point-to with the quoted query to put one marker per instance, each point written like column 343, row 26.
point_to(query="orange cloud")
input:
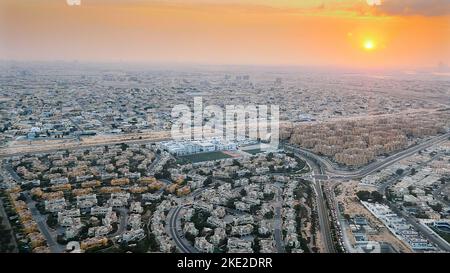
column 413, row 7
column 236, row 32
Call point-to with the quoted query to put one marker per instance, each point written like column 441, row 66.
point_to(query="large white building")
column 181, row 148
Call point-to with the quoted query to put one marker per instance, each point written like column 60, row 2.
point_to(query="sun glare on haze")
column 369, row 45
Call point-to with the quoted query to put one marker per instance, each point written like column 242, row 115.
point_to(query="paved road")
column 40, row 219
column 324, row 220
column 319, row 164
column 343, row 225
column 7, row 224
column 123, row 217
column 41, row 222
column 313, row 160
column 333, row 171
column 382, row 187
column 11, row 171
column 441, row 243
column 173, row 225
column 74, row 146
column 77, row 126
column 323, row 164
column 150, row 169
column 322, row 211
column 278, row 235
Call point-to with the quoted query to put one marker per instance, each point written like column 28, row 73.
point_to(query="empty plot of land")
column 352, row 206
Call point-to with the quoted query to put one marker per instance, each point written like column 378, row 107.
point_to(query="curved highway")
column 182, row 244
column 320, row 165
column 331, row 170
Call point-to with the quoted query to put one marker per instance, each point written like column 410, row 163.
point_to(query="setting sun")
column 369, row 45
column 270, row 32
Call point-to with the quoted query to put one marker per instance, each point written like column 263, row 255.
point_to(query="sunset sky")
column 345, row 33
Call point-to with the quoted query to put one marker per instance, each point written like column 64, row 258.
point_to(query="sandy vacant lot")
column 352, row 206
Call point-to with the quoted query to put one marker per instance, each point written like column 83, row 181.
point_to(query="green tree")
column 269, row 215
column 363, row 195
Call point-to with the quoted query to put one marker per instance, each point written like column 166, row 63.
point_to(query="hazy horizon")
column 350, row 34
